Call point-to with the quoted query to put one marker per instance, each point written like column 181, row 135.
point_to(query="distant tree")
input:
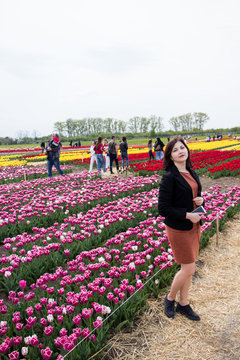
column 60, row 127
column 133, row 124
column 70, row 127
column 175, row 123
column 160, row 126
column 186, row 122
column 200, row 120
column 122, row 126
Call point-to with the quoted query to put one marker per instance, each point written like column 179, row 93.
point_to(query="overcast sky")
column 107, row 58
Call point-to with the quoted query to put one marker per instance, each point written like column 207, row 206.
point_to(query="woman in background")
column 93, row 158
column 98, row 148
column 158, row 146
column 106, row 150
column 150, row 147
column 124, row 152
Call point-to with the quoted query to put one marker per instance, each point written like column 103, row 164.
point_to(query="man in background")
column 53, row 154
column 113, row 153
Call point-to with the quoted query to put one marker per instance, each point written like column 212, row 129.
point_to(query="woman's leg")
column 183, row 276
column 116, row 161
column 123, row 163
column 184, row 292
column 111, row 162
column 127, row 159
column 91, row 163
column 98, row 162
column 103, row 163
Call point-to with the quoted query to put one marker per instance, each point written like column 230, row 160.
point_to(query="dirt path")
column 214, row 294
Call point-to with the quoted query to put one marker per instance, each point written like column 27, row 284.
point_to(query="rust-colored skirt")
column 185, row 243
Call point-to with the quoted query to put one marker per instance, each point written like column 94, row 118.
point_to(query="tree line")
column 135, row 125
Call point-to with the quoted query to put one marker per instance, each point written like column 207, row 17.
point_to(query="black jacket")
column 124, row 147
column 176, row 199
column 159, row 143
column 54, row 153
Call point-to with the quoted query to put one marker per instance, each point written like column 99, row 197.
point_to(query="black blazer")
column 176, row 199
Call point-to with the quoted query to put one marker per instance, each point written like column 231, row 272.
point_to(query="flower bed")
column 200, row 161
column 16, row 173
column 64, row 306
column 45, row 201
column 231, row 168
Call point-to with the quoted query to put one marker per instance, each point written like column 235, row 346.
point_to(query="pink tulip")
column 46, row 353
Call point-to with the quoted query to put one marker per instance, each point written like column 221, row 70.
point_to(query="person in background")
column 98, row 148
column 79, row 143
column 42, row 146
column 124, row 152
column 71, row 142
column 179, row 195
column 158, row 147
column 113, row 153
column 93, row 158
column 106, row 150
column 53, row 150
column 213, row 137
column 150, row 147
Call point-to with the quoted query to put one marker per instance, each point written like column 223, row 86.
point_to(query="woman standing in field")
column 124, row 152
column 106, row 150
column 150, row 147
column 158, row 147
column 98, row 148
column 93, row 158
column 179, row 195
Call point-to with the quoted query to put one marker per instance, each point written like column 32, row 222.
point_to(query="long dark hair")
column 167, row 161
column 149, row 142
column 99, row 141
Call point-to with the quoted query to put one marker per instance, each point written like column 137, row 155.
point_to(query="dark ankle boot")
column 169, row 307
column 188, row 312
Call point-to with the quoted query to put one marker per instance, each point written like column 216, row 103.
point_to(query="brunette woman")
column 150, row 147
column 158, row 147
column 179, row 195
column 98, row 148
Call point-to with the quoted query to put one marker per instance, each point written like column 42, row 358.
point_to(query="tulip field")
column 76, row 251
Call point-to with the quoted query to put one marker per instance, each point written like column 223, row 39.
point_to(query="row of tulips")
column 18, row 173
column 78, row 232
column 132, row 157
column 200, row 161
column 35, row 203
column 231, row 168
column 64, row 306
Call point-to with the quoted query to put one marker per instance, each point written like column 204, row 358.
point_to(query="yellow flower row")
column 8, row 162
column 211, row 145
column 233, row 147
column 85, row 154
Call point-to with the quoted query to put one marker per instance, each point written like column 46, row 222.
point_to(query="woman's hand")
column 194, row 217
column 198, row 200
